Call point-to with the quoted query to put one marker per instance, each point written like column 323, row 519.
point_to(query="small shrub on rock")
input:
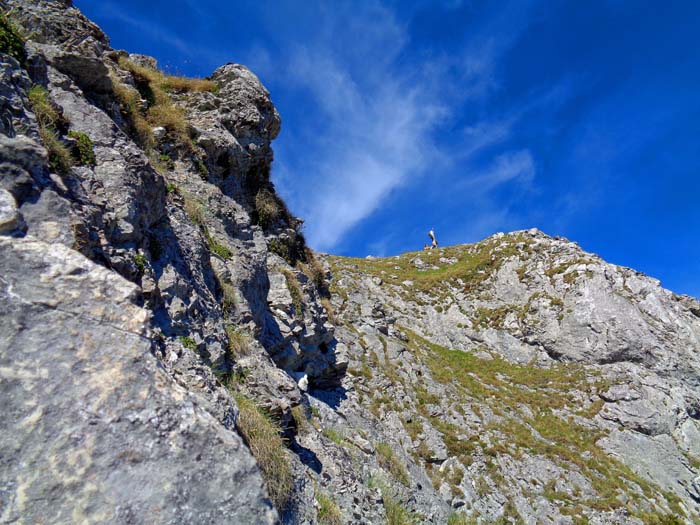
column 267, row 208
column 11, row 41
column 292, row 248
column 315, row 271
column 84, row 150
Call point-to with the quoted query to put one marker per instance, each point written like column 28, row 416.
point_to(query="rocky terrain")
column 172, row 352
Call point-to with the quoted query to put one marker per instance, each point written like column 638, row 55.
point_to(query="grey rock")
column 654, row 458
column 143, row 60
column 545, row 304
column 159, row 132
column 58, row 22
column 10, row 219
column 89, row 73
column 92, row 427
column 14, row 118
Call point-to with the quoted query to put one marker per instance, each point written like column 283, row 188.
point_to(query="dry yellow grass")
column 263, row 437
column 155, row 87
column 165, row 82
column 130, row 103
column 238, row 341
column 185, row 84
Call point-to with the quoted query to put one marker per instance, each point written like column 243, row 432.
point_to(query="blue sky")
column 469, row 117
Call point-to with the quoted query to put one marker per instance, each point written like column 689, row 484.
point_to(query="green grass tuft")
column 50, row 121
column 140, row 261
column 47, row 115
column 218, row 249
column 188, row 343
column 460, row 519
column 85, row 149
column 328, row 511
column 388, row 461
column 295, row 291
column 263, row 436
column 11, row 41
column 335, row 436
column 60, row 159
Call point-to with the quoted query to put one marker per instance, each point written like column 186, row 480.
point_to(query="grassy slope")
column 533, row 410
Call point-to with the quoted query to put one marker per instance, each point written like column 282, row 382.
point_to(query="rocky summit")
column 171, row 351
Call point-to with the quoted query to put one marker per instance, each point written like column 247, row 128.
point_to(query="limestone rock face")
column 93, row 429
column 182, row 233
column 451, row 343
column 515, row 380
column 58, row 22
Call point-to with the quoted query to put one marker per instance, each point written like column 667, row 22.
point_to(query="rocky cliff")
column 172, row 352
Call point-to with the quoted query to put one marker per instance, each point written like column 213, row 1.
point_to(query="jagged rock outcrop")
column 153, row 287
column 176, row 220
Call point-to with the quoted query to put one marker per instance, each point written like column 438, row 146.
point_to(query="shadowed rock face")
column 516, row 380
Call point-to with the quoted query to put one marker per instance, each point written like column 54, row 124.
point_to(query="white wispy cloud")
column 508, row 167
column 377, row 128
column 381, row 116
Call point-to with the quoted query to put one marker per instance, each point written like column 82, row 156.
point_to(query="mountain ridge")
column 172, row 352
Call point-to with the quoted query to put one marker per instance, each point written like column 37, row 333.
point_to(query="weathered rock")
column 10, row 219
column 13, row 110
column 540, row 302
column 92, row 428
column 571, row 369
column 89, row 73
column 58, row 22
